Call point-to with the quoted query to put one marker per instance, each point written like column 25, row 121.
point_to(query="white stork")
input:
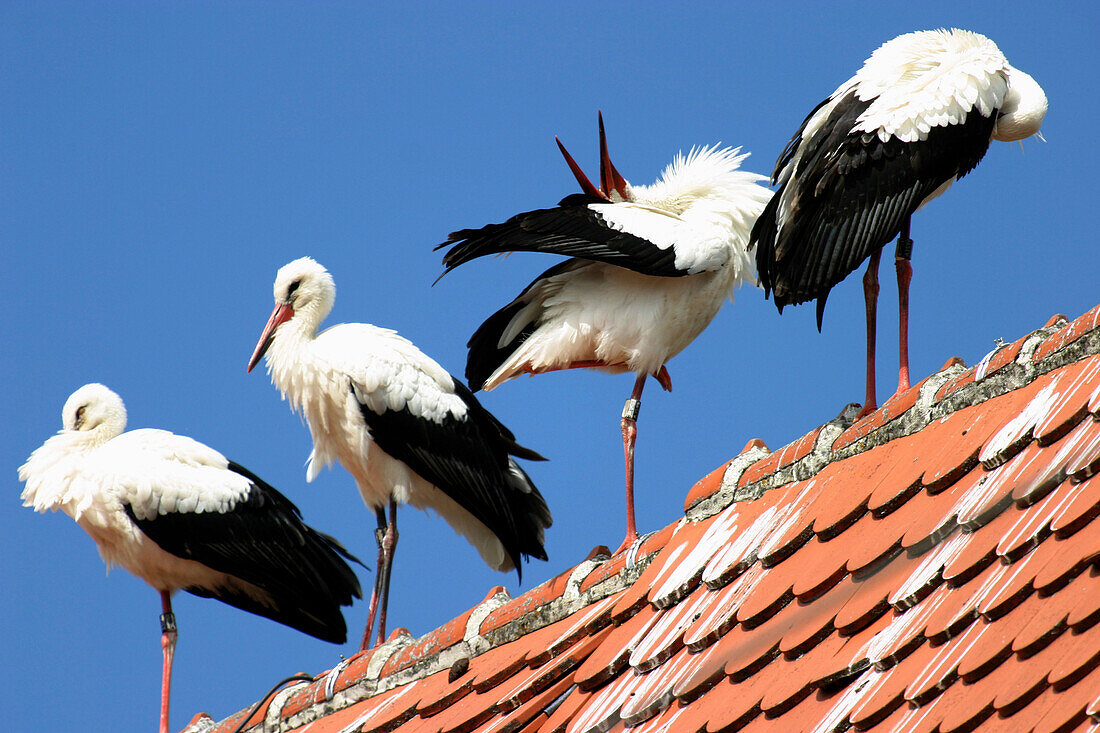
column 919, row 115
column 650, row 267
column 178, row 515
column 404, row 429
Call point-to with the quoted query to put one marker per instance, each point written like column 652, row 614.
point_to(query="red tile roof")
column 935, row 566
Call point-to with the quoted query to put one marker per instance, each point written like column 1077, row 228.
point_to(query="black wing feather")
column 469, row 460
column 572, row 228
column 263, row 541
column 853, row 195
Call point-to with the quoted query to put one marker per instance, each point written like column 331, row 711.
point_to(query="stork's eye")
column 292, row 289
column 79, row 420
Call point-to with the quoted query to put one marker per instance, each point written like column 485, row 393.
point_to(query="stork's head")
column 1023, row 110
column 304, row 288
column 613, row 187
column 94, row 407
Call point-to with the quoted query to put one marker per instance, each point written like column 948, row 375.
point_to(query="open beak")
column 610, row 179
column 586, row 185
column 279, row 316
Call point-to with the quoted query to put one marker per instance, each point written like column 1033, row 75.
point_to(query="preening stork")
column 919, row 115
column 649, row 268
column 405, row 429
column 178, row 515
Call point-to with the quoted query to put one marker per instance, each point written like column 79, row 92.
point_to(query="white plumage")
column 650, row 268
column 917, row 116
column 179, row 515
column 400, row 424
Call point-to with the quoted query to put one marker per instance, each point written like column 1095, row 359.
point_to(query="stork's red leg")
column 870, row 297
column 389, row 545
column 372, row 609
column 168, row 646
column 630, row 434
column 905, row 274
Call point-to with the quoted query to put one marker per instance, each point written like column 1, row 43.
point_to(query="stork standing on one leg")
column 650, row 267
column 405, row 429
column 919, row 115
column 178, row 515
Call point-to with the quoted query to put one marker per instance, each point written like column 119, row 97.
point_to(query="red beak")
column 586, row 185
column 280, row 315
column 610, row 180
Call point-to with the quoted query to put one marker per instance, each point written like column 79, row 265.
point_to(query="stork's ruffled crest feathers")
column 705, row 173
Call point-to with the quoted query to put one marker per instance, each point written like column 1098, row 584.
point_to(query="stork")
column 649, row 268
column 919, row 115
column 178, row 515
column 405, row 429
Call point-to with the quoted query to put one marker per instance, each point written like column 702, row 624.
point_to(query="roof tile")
column 979, row 546
column 721, row 612
column 433, row 642
column 523, row 715
column 1070, row 710
column 1080, row 658
column 1067, row 334
column 749, row 522
column 1076, row 386
column 896, row 406
column 1018, row 432
column 928, row 529
column 841, row 482
column 957, row 606
column 665, row 637
column 654, row 694
column 957, row 709
column 612, row 655
column 994, row 642
column 1085, row 589
column 872, row 593
column 706, row 486
column 552, row 640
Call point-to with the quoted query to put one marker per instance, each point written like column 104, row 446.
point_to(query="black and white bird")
column 180, row 516
column 919, row 115
column 405, row 430
column 649, row 268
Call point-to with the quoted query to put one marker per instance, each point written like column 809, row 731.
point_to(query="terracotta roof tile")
column 1068, row 334
column 530, row 710
column 706, row 486
column 1070, row 710
column 721, row 611
column 935, row 568
column 611, row 657
column 871, row 596
column 848, row 488
column 893, row 408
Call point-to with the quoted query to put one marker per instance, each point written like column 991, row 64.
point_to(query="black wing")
column 852, row 194
column 572, row 228
column 469, row 460
column 263, row 541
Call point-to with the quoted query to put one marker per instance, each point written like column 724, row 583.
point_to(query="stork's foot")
column 630, row 539
column 664, row 379
column 866, row 411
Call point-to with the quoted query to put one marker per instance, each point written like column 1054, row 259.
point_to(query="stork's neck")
column 290, row 359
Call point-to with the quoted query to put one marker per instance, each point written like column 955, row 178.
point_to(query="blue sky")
column 160, row 161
